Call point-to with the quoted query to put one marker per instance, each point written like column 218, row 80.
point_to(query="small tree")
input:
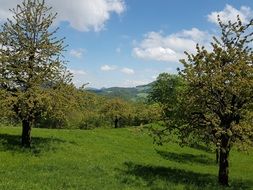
column 116, row 110
column 219, row 95
column 165, row 92
column 31, row 70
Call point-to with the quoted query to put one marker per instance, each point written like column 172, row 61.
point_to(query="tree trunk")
column 26, row 133
column 217, row 155
column 116, row 122
column 223, row 161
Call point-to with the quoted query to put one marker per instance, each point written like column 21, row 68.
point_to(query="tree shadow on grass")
column 186, row 158
column 201, row 147
column 169, row 177
column 40, row 145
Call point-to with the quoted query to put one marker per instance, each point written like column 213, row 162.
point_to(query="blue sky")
column 129, row 42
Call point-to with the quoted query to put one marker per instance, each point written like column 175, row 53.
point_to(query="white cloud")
column 107, row 68
column 77, row 72
column 156, row 46
column 193, row 34
column 127, row 71
column 78, row 53
column 156, row 53
column 230, row 13
column 82, row 15
column 133, row 83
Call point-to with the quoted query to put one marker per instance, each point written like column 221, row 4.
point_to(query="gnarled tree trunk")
column 26, row 133
column 223, row 161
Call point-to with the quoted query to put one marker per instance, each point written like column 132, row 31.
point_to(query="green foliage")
column 215, row 105
column 146, row 113
column 216, row 96
column 58, row 107
column 219, row 97
column 117, row 109
column 165, row 91
column 110, row 159
column 88, row 114
column 33, row 77
column 97, row 111
column 86, row 110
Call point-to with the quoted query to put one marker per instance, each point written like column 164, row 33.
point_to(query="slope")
column 110, row 159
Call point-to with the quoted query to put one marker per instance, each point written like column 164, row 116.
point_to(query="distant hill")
column 138, row 93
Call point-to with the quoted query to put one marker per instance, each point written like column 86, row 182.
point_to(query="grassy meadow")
column 110, row 159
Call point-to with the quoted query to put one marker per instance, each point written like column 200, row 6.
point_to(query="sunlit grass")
column 110, row 159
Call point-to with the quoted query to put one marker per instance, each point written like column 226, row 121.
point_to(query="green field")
column 110, row 159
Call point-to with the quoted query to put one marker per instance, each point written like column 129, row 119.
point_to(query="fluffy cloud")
column 77, row 72
column 133, row 83
column 230, row 13
column 124, row 70
column 107, row 68
column 78, row 53
column 156, row 46
column 127, row 71
column 83, row 15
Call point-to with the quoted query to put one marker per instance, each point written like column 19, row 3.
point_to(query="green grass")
column 110, row 159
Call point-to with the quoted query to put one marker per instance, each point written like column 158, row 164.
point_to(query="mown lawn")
column 110, row 159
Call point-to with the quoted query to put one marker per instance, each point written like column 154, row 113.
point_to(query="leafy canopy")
column 215, row 96
column 218, row 100
column 31, row 65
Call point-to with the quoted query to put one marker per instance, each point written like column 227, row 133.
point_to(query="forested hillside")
column 136, row 94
